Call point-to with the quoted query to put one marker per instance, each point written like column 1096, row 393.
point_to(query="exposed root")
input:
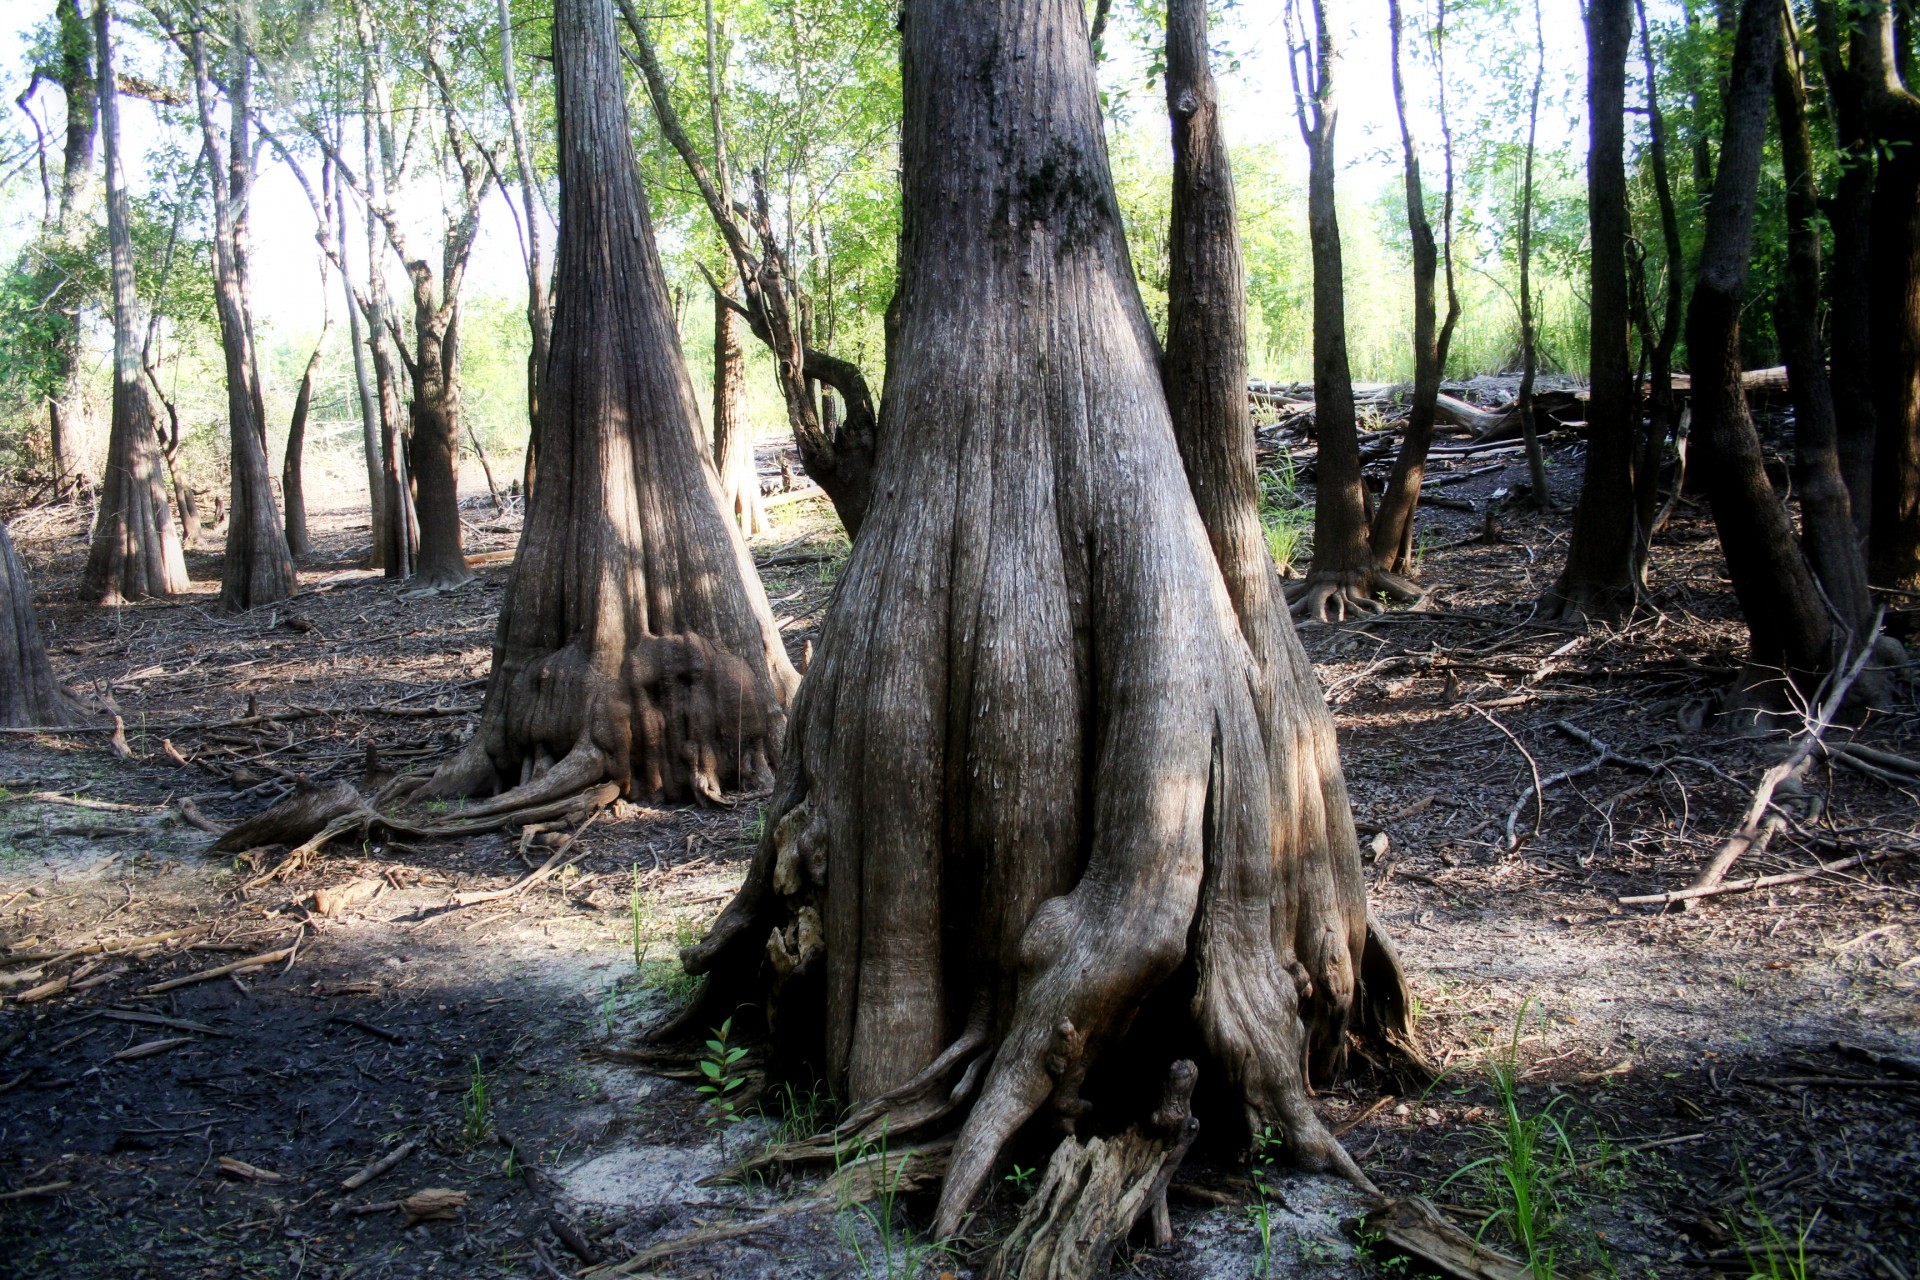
column 1338, row 595
column 1094, row 1192
column 579, row 769
column 309, row 809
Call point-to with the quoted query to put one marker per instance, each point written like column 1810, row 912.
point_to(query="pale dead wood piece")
column 1373, row 1109
column 433, row 1204
column 44, row 1189
column 238, row 966
column 380, row 1166
column 150, row 1048
column 1752, row 827
column 334, row 901
column 1414, row 1226
column 191, row 812
column 1761, row 882
column 249, row 1173
column 45, row 990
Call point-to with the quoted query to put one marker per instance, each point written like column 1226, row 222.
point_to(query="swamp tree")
column 29, row 694
column 135, row 553
column 636, row 644
column 1027, row 848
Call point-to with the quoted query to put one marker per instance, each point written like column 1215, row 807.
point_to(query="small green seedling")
column 477, row 1102
column 1022, row 1179
column 722, row 1077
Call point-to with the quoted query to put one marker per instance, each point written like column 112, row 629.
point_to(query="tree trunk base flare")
column 1095, row 1191
column 135, row 553
column 1336, row 595
column 29, row 693
column 1033, row 840
column 636, row 645
column 310, row 808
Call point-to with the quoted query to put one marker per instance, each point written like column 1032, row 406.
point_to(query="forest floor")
column 1689, row 1112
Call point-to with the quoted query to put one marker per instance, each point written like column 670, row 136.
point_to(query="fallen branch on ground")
column 1759, row 882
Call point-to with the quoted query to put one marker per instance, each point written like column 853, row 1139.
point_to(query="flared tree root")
column 1332, row 595
column 1095, row 1191
column 673, row 718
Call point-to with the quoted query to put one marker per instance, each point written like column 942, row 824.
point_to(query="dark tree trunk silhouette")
column 292, row 483
column 1542, row 495
column 1392, row 533
column 66, row 406
column 135, row 553
column 1786, row 620
column 1021, row 857
column 1343, row 576
column 1826, row 519
column 732, row 446
column 258, row 569
column 1893, row 303
column 1598, row 579
column 636, row 644
column 368, row 391
column 1850, row 214
column 29, row 694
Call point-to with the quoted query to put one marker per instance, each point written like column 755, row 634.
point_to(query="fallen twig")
column 380, row 1166
column 44, row 1189
column 1759, row 882
column 548, row 868
column 238, row 966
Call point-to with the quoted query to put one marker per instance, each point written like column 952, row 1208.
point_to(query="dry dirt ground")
column 1688, row 1111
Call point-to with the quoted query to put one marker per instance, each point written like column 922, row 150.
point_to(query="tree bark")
column 292, row 484
column 636, row 643
column 732, row 445
column 1392, row 533
column 29, row 694
column 1022, row 840
column 1850, row 214
column 135, row 554
column 539, row 302
column 1598, row 579
column 66, row 408
column 1786, row 620
column 1343, row 575
column 369, row 393
column 1893, row 303
column 1826, row 519
column 258, row 568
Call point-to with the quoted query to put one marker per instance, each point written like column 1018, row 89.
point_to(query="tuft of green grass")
column 903, row 1254
column 1773, row 1256
column 636, row 913
column 1266, row 1146
column 476, row 1120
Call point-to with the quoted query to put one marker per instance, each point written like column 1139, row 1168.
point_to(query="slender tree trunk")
column 1786, row 620
column 258, row 568
column 1392, row 534
column 1343, row 575
column 732, row 444
column 433, row 440
column 292, row 484
column 1657, row 342
column 369, row 394
column 29, row 694
column 1205, row 376
column 67, row 425
column 636, row 644
column 539, row 303
column 135, row 554
column 1598, row 579
column 1542, row 496
column 1022, row 841
column 1826, row 519
column 1850, row 214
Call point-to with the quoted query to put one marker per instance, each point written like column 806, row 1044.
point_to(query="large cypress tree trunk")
column 1023, row 853
column 636, row 643
column 1826, row 518
column 1343, row 575
column 732, row 446
column 1786, row 619
column 1392, row 533
column 136, row 552
column 434, row 435
column 29, row 695
column 1598, row 579
column 258, row 569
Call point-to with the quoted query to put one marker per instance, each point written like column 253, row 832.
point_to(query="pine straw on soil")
column 1665, row 1044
